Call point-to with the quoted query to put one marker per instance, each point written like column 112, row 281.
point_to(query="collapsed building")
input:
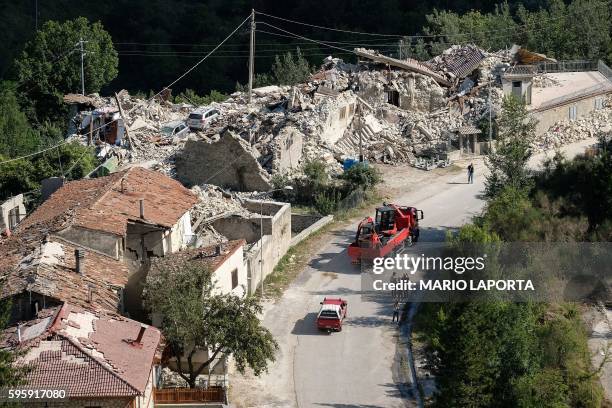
column 384, row 109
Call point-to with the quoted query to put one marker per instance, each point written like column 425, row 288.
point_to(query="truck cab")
column 332, row 313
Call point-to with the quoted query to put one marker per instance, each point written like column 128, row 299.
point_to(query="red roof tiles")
column 93, row 354
column 107, row 203
column 204, row 256
column 24, row 267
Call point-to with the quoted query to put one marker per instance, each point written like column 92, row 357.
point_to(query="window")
column 234, row 278
column 573, row 111
column 393, row 98
column 343, row 113
column 599, row 102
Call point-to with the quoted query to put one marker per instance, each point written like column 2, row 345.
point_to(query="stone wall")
column 228, row 163
column 276, row 240
column 288, row 146
column 108, row 244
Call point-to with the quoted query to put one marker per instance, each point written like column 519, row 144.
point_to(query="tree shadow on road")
column 368, row 321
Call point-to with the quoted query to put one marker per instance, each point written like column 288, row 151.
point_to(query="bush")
column 326, row 203
column 189, row 96
column 362, row 175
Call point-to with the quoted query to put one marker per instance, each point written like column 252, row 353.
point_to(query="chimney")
column 140, row 334
column 79, row 257
column 218, row 249
column 142, row 208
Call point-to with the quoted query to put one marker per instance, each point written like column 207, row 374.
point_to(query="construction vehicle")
column 393, row 228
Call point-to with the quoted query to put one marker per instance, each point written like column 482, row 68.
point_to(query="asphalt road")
column 358, row 366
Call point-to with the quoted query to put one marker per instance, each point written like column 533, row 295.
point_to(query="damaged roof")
column 47, row 266
column 457, row 61
column 89, row 354
column 408, row 64
column 205, row 257
column 107, row 203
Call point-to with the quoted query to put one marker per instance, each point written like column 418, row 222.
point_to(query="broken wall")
column 12, row 211
column 108, row 244
column 288, row 146
column 228, row 163
column 340, row 112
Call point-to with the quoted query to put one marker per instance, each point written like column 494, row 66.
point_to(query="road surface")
column 357, row 367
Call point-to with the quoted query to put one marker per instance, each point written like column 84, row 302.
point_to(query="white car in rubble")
column 176, row 129
column 201, row 118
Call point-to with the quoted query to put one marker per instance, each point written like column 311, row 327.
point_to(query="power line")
column 148, row 101
column 328, row 28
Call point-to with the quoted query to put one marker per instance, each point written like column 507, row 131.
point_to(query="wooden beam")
column 125, row 125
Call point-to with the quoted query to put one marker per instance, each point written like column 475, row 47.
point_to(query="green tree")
column 508, row 162
column 472, row 27
column 17, row 137
column 289, row 69
column 71, row 160
column 196, row 318
column 50, row 67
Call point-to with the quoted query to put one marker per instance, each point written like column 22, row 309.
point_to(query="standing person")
column 470, row 170
column 395, row 312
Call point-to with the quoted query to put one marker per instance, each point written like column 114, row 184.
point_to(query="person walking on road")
column 395, row 312
column 470, row 170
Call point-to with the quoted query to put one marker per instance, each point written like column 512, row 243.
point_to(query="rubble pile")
column 395, row 109
column 594, row 125
column 544, row 81
column 214, row 201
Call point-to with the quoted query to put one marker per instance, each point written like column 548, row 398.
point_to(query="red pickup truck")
column 331, row 314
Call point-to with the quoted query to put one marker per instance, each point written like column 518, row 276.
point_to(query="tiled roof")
column 46, row 265
column 469, row 130
column 92, row 354
column 107, row 203
column 204, row 256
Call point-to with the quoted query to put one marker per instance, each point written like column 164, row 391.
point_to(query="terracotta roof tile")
column 107, row 203
column 47, row 266
column 92, row 354
column 205, row 256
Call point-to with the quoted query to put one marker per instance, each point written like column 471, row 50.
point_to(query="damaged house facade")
column 89, row 241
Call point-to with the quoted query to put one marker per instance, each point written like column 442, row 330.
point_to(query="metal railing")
column 566, row 66
column 604, row 69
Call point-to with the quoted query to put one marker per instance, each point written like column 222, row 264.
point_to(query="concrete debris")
column 391, row 110
column 543, row 81
column 597, row 124
column 214, row 201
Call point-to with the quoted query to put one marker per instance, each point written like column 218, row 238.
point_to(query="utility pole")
column 490, row 116
column 82, row 69
column 36, row 14
column 252, row 56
